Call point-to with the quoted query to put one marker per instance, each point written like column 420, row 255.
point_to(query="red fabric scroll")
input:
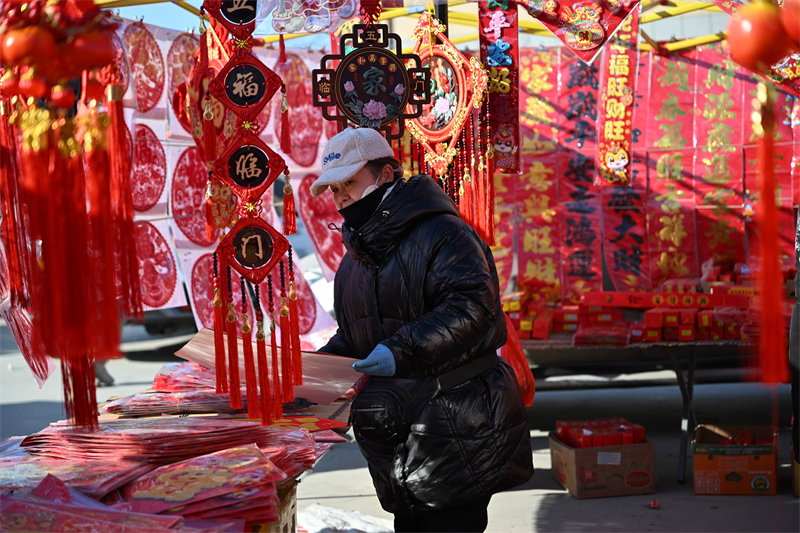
column 498, row 26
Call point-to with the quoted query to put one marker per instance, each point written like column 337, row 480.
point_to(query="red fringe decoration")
column 289, row 209
column 774, row 364
column 119, row 156
column 103, row 242
column 287, row 380
column 277, row 401
column 263, row 372
column 282, row 48
column 285, row 137
column 219, row 343
column 80, row 392
column 209, row 210
column 233, row 360
column 294, row 324
column 514, row 355
column 490, row 203
column 250, row 376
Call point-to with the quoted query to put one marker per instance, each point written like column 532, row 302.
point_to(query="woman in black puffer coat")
column 418, row 280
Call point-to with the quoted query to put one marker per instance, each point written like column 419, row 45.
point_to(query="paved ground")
column 341, row 480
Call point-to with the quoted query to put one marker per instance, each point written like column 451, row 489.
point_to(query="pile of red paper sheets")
column 53, row 506
column 171, row 403
column 185, row 377
column 233, row 483
column 157, row 440
column 95, row 479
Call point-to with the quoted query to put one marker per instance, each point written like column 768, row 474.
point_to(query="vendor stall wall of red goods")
column 692, row 195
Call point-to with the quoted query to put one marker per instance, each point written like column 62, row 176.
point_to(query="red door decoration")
column 242, row 162
column 615, row 112
column 371, row 87
column 500, row 56
column 583, row 25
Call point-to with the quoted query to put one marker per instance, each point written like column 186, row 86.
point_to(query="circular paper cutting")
column 188, row 196
column 147, row 65
column 306, row 305
column 149, row 173
column 317, row 213
column 239, row 11
column 248, row 166
column 305, row 119
column 252, row 247
column 181, row 61
column 372, row 87
column 245, row 85
column 202, row 285
column 157, row 270
column 440, row 112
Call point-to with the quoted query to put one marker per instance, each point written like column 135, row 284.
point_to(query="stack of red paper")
column 184, row 377
column 293, row 451
column 233, row 483
column 172, row 403
column 94, row 479
column 159, row 440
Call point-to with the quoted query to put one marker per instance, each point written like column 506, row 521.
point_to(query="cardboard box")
column 543, row 324
column 565, row 327
column 686, row 332
column 705, row 318
column 619, row 470
column 671, row 333
column 702, row 334
column 604, row 318
column 732, row 332
column 525, row 328
column 654, row 318
column 637, row 333
column 716, row 333
column 733, row 468
column 596, row 308
column 567, row 313
column 689, row 316
column 653, row 334
column 672, row 317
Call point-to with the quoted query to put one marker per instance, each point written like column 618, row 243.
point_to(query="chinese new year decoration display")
column 615, row 110
column 372, row 87
column 583, row 25
column 252, row 248
column 500, row 56
column 454, row 133
column 56, row 166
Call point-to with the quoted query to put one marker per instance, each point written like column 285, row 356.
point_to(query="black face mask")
column 356, row 215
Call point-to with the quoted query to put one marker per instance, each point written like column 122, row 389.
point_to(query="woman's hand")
column 378, row 363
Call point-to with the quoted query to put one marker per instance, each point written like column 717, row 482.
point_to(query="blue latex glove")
column 378, row 363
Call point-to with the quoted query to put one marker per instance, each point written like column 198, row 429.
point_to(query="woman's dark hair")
column 376, row 165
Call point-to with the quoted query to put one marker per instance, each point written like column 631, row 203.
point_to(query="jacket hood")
column 407, row 204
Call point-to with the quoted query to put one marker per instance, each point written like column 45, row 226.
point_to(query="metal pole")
column 440, row 12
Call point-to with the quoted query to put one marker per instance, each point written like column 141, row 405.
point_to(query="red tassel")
column 250, row 376
column 233, row 350
column 286, row 136
column 514, row 355
column 289, row 209
column 287, row 380
column 294, row 324
column 263, row 371
column 277, row 400
column 490, row 204
column 219, row 344
column 774, row 364
column 102, row 245
column 119, row 155
column 282, row 48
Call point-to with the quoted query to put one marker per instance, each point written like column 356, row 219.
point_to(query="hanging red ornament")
column 233, row 348
column 277, row 389
column 286, row 135
column 287, row 379
column 289, row 209
column 263, row 366
column 294, row 323
column 250, row 376
column 219, row 334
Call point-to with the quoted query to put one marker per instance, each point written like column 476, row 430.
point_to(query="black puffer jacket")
column 420, row 281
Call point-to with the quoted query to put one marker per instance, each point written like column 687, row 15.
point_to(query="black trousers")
column 468, row 518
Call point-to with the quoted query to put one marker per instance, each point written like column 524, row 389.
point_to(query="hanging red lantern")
column 89, row 50
column 32, row 85
column 62, row 97
column 29, row 45
column 756, row 36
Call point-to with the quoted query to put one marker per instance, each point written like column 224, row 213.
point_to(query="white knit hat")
column 346, row 153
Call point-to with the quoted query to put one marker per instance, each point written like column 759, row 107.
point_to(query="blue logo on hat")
column 330, row 157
